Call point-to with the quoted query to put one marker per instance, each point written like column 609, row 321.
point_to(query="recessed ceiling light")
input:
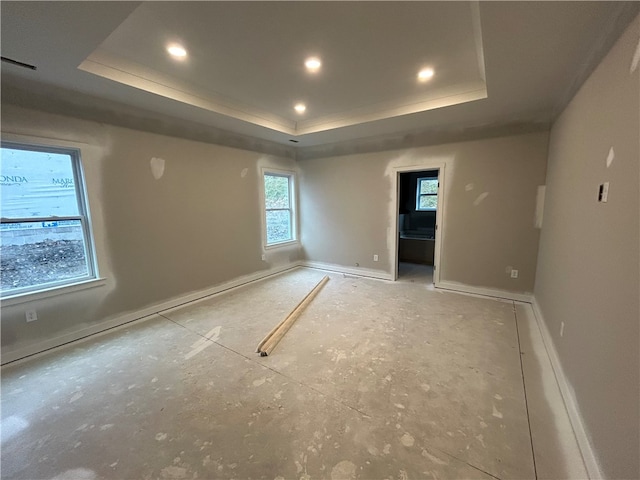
column 300, row 107
column 313, row 64
column 425, row 74
column 177, row 51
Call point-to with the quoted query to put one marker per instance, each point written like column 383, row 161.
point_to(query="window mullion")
column 41, row 219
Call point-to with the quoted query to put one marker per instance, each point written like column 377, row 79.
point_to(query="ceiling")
column 496, row 64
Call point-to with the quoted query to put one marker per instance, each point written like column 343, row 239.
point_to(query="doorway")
column 418, row 217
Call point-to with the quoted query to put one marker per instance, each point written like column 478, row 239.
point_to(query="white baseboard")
column 359, row 271
column 487, row 292
column 143, row 314
column 588, row 454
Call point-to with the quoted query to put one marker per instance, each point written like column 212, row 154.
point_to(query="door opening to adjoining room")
column 418, row 201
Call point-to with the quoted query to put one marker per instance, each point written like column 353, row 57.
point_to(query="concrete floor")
column 376, row 380
column 415, row 273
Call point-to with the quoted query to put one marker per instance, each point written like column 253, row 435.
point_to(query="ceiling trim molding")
column 60, row 101
column 423, row 138
column 451, row 96
column 128, row 73
column 477, row 36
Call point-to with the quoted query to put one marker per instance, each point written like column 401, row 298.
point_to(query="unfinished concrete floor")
column 415, row 272
column 376, row 380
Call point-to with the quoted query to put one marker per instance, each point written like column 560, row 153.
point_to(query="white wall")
column 588, row 262
column 196, row 227
column 490, row 188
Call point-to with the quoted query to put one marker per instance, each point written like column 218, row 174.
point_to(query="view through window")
column 427, row 194
column 278, row 208
column 44, row 231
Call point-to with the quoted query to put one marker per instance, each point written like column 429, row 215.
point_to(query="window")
column 44, row 232
column 427, row 194
column 279, row 211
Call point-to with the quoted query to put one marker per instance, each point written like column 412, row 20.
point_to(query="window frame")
column 419, row 195
column 83, row 217
column 293, row 211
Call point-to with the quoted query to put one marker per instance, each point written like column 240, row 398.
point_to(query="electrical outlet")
column 31, row 315
column 514, row 273
column 561, row 329
column 264, row 257
column 375, row 258
column 603, row 192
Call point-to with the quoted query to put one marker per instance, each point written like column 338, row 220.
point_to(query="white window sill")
column 289, row 243
column 52, row 292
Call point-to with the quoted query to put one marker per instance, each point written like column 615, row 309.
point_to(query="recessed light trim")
column 313, row 64
column 300, row 108
column 177, row 51
column 425, row 74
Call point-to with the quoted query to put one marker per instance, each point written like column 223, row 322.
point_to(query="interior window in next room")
column 427, row 194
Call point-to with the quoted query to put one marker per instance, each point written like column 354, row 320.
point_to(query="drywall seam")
column 359, row 271
column 477, row 36
column 125, row 319
column 588, row 455
column 539, row 213
column 487, row 292
column 635, row 60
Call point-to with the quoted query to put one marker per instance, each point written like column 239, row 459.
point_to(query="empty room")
column 320, row 240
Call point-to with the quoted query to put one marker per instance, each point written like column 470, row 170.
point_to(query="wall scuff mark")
column 157, row 167
column 480, row 199
column 635, row 60
column 539, row 206
column 610, row 157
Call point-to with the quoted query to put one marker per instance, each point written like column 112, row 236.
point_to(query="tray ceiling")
column 246, row 60
column 498, row 66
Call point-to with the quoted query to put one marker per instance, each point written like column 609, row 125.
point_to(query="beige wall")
column 196, row 227
column 589, row 255
column 348, row 216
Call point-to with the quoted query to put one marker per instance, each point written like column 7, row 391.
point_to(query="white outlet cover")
column 514, row 273
column 605, row 192
column 31, row 315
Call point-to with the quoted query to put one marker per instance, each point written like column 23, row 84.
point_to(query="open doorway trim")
column 427, row 165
